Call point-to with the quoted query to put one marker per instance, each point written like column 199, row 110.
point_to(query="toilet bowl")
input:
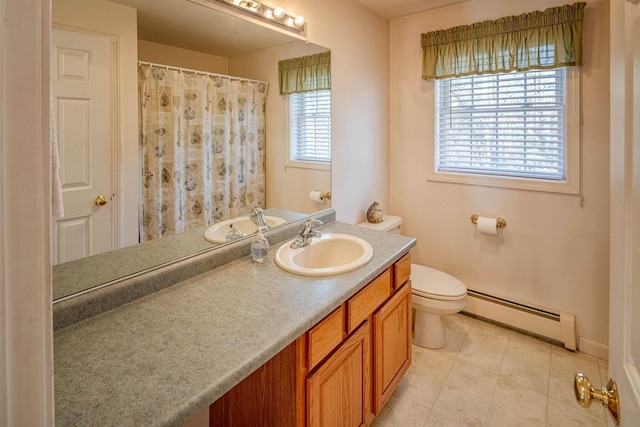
column 433, row 294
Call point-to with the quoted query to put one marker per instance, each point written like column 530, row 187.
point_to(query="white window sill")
column 564, row 187
column 319, row 166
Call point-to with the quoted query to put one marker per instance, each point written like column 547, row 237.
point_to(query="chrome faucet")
column 307, row 233
column 257, row 217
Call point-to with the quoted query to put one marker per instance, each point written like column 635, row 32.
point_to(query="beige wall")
column 169, row 55
column 554, row 251
column 359, row 43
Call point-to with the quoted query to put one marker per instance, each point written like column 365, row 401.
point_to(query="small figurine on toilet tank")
column 374, row 213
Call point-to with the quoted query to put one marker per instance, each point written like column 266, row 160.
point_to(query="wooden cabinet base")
column 265, row 398
column 339, row 373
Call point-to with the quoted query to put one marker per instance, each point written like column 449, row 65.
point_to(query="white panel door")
column 624, row 303
column 83, row 88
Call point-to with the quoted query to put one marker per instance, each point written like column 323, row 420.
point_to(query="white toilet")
column 433, row 294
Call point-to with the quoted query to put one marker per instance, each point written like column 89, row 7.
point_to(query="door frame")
column 624, row 198
column 26, row 331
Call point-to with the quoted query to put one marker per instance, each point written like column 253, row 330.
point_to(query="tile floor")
column 492, row 376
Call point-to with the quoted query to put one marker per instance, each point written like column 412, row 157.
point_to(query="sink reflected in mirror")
column 218, row 233
column 328, row 255
column 84, row 274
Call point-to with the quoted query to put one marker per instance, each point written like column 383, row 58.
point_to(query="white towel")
column 57, row 207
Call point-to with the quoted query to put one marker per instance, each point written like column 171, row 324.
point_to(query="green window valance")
column 548, row 39
column 304, row 74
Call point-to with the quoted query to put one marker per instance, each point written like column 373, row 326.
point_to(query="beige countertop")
column 161, row 359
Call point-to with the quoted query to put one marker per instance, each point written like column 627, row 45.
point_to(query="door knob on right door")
column 608, row 395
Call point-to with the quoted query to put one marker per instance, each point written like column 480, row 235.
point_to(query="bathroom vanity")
column 245, row 340
column 340, row 372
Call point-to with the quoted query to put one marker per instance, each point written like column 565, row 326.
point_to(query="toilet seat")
column 431, row 283
column 437, row 297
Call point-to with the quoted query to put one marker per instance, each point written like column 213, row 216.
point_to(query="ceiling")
column 396, row 8
column 187, row 25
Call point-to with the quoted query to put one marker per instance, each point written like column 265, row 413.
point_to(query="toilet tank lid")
column 388, row 222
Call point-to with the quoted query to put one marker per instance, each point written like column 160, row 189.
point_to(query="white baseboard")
column 593, row 348
column 559, row 327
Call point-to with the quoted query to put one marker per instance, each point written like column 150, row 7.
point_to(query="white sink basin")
column 217, row 233
column 327, row 255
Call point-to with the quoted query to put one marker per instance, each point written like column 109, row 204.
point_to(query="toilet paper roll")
column 316, row 196
column 488, row 225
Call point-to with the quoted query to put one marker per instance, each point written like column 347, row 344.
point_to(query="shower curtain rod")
column 204, row 73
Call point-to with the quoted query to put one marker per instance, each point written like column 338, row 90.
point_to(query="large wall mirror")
column 101, row 179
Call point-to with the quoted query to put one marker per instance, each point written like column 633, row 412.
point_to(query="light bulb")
column 278, row 12
column 268, row 13
column 289, row 21
column 299, row 21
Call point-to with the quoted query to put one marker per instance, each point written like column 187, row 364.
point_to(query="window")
column 516, row 129
column 310, row 126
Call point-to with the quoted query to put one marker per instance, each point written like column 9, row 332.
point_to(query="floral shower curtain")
column 202, row 141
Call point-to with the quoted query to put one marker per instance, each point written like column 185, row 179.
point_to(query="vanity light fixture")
column 278, row 12
column 271, row 15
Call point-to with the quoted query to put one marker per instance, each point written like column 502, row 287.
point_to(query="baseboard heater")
column 559, row 326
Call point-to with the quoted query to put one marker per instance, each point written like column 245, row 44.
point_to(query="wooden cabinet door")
column 339, row 391
column 392, row 345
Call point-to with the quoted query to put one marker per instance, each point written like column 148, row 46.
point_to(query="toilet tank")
column 389, row 224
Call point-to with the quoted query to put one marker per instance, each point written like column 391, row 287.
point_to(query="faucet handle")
column 307, row 232
column 309, row 225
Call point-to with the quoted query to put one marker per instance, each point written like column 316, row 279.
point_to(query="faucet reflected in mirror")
column 257, row 217
column 132, row 26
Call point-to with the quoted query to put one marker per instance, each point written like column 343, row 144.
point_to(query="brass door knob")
column 100, row 201
column 608, row 395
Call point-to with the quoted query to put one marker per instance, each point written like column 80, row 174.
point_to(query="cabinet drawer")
column 365, row 302
column 325, row 336
column 402, row 271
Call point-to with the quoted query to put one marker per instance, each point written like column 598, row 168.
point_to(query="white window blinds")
column 510, row 124
column 310, row 126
